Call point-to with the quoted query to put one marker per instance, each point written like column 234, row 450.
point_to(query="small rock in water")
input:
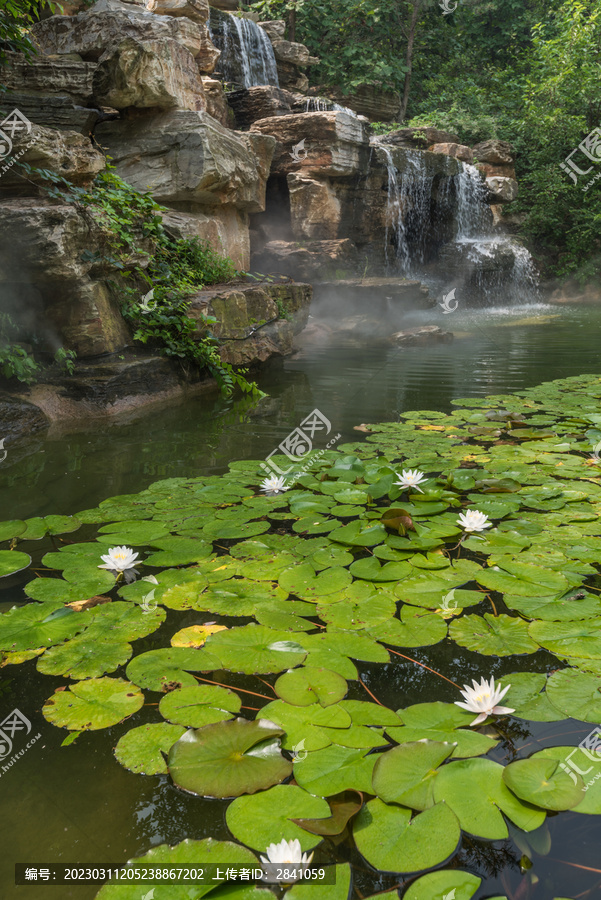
column 424, row 334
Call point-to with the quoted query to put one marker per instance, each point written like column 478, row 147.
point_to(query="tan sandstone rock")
column 502, row 190
column 315, row 210
column 335, row 143
column 458, row 151
column 157, row 73
column 196, row 10
column 188, row 157
column 64, row 152
column 494, row 151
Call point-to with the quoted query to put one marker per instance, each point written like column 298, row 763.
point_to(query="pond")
column 77, row 805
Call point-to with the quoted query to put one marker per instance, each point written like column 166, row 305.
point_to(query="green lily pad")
column 200, row 705
column 404, row 774
column 266, row 818
column 523, row 579
column 364, row 713
column 141, row 749
column 371, row 569
column 306, row 727
column 120, row 621
column 334, row 769
column 134, row 533
column 56, row 590
column 84, row 657
column 416, row 628
column 392, row 841
column 308, row 684
column 578, row 767
column 474, row 789
column 346, row 643
column 543, row 783
column 492, row 635
column 303, row 581
column 528, row 699
column 169, row 667
column 229, row 759
column 575, row 694
column 12, row 528
column 441, row 722
column 93, row 704
column 12, row 561
column 579, row 639
column 32, row 626
column 372, row 610
column 255, row 649
column 444, row 885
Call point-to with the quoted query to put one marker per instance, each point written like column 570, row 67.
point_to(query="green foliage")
column 154, row 291
column 15, row 361
column 65, row 359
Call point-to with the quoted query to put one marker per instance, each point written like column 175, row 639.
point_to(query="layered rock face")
column 140, row 78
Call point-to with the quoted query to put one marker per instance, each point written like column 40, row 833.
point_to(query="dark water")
column 77, row 804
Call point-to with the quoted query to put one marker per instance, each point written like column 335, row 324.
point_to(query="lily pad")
column 200, row 705
column 84, row 657
column 32, row 626
column 303, row 581
column 543, row 783
column 93, row 704
column 141, row 749
column 579, row 639
column 168, row 668
column 404, row 775
column 266, row 818
column 12, row 561
column 528, row 699
column 255, row 649
column 12, row 528
column 492, row 635
column 474, row 789
column 392, row 841
column 229, row 759
column 309, row 684
column 444, row 885
column 335, row 769
column 441, row 722
column 576, row 694
column 416, row 628
column 310, row 725
column 338, row 891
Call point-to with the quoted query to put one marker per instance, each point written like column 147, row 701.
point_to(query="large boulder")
column 458, row 151
column 501, row 190
column 249, row 319
column 50, row 90
column 315, row 209
column 494, row 151
column 373, row 101
column 188, row 157
column 307, row 261
column 293, row 53
column 275, row 28
column 158, row 74
column 44, row 243
column 19, row 420
column 217, row 101
column 225, row 229
column 420, row 137
column 65, row 153
column 195, row 10
column 91, row 34
column 261, row 102
column 322, row 144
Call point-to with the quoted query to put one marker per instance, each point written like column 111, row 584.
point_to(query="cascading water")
column 320, row 104
column 492, row 265
column 484, row 265
column 247, row 56
column 408, row 206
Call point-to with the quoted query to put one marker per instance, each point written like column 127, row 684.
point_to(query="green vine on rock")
column 157, row 273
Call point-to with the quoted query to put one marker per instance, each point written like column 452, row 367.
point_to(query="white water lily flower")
column 411, row 479
column 287, row 853
column 483, row 699
column 473, row 520
column 274, row 485
column 119, row 559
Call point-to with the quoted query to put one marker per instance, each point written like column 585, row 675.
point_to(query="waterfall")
column 407, row 209
column 320, row 104
column 247, row 56
column 494, row 265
